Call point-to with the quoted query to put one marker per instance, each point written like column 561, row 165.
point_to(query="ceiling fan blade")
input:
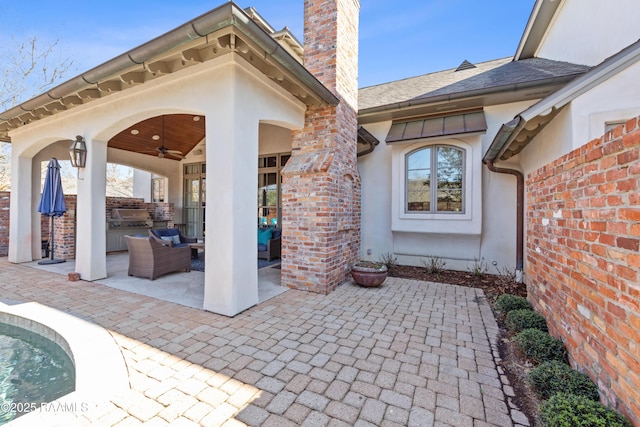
column 178, row 156
column 173, row 151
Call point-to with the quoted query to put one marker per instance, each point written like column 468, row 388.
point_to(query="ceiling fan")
column 164, row 151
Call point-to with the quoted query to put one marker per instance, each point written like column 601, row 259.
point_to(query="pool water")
column 33, row 370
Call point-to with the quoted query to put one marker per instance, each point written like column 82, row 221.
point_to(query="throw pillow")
column 168, row 239
column 176, row 239
column 264, row 235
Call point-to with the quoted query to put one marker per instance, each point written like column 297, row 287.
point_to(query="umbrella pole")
column 51, row 260
column 52, row 233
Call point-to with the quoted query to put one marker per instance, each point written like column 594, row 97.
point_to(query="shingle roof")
column 514, row 135
column 486, row 75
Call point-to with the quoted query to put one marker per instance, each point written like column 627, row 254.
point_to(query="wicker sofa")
column 151, row 259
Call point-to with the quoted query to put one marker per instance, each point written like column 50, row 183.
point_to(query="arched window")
column 435, row 180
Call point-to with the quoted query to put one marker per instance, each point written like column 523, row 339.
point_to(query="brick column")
column 321, row 185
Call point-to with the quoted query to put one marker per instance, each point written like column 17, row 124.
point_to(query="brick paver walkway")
column 409, row 353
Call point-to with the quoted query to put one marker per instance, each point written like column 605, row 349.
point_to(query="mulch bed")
column 492, row 285
column 514, row 364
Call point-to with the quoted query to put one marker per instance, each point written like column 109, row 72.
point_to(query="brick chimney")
column 321, row 185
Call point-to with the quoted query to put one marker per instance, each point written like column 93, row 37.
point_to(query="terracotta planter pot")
column 369, row 276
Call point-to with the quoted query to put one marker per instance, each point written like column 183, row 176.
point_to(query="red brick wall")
column 64, row 244
column 321, row 185
column 583, row 264
column 4, row 222
column 65, row 226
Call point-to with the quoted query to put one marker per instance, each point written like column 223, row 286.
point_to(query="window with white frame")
column 434, row 180
column 437, row 186
column 157, row 189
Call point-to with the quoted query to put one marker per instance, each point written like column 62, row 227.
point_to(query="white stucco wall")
column 142, row 185
column 375, row 175
column 615, row 100
column 274, row 139
column 589, row 31
column 493, row 238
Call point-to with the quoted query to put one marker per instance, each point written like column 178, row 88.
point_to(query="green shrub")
column 569, row 410
column 507, row 302
column 518, row 320
column 555, row 377
column 540, row 347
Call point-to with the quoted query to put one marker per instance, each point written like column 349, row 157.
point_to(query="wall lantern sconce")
column 78, row 152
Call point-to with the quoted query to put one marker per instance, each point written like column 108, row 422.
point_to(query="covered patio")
column 214, row 91
column 184, row 288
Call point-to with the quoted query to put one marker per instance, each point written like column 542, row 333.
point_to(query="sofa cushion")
column 277, row 232
column 264, row 235
column 262, row 248
column 175, row 240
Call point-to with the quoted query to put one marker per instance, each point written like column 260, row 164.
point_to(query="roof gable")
column 226, row 29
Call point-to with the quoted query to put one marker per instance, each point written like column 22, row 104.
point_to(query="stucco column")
column 231, row 276
column 21, row 210
column 91, row 238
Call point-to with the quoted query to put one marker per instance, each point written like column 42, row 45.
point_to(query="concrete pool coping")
column 100, row 368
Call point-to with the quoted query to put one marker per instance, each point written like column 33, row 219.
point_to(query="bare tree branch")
column 28, row 69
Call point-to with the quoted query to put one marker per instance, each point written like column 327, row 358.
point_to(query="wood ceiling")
column 179, row 132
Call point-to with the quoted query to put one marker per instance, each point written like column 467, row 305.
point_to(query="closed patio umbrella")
column 52, row 201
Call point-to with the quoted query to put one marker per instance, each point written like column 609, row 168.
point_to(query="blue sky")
column 398, row 39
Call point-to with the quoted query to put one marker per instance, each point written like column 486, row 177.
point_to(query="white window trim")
column 469, row 222
column 433, row 168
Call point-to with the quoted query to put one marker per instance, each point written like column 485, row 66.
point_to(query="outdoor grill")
column 130, row 219
column 126, row 222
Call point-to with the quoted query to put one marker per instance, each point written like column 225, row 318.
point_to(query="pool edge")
column 101, row 372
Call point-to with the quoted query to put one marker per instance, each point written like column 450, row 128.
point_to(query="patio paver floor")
column 409, row 353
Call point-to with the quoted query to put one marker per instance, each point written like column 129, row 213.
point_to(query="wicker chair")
column 149, row 258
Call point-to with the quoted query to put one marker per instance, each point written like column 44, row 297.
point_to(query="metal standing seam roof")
column 432, row 127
